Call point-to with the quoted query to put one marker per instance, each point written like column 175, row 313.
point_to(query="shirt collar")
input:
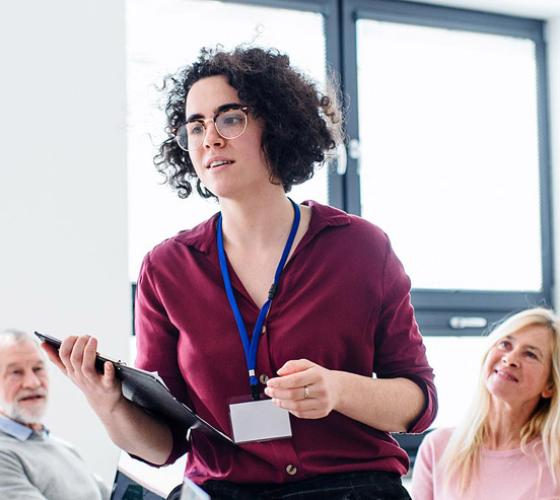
column 15, row 429
column 203, row 236
column 200, row 237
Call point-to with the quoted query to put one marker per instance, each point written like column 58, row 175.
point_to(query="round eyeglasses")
column 230, row 123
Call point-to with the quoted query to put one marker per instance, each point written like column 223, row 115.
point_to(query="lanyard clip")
column 272, row 291
column 255, row 392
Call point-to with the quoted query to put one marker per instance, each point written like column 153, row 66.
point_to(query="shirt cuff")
column 429, row 411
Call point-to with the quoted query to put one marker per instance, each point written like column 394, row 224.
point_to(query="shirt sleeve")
column 422, row 474
column 14, row 482
column 156, row 341
column 399, row 350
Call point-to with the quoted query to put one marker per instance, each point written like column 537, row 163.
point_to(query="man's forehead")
column 20, row 352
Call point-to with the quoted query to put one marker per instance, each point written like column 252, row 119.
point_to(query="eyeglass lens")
column 229, row 124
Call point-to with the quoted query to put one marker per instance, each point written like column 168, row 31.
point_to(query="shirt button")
column 291, row 469
column 263, row 331
column 263, row 378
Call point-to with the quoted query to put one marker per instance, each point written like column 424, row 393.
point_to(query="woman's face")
column 229, row 168
column 518, row 366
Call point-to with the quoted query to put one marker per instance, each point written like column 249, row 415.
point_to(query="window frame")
column 435, row 308
column 330, row 9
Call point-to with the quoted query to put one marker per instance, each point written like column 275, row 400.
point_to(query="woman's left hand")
column 305, row 389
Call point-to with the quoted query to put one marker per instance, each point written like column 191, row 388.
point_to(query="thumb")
column 295, row 365
column 108, row 378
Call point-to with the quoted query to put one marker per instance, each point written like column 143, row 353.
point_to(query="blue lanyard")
column 250, row 348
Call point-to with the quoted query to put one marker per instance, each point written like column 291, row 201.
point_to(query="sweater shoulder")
column 438, row 439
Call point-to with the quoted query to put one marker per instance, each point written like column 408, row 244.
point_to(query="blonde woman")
column 508, row 447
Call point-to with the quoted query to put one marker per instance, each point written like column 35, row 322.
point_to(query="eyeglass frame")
column 224, row 108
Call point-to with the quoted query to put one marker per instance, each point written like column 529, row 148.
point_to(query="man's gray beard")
column 24, row 415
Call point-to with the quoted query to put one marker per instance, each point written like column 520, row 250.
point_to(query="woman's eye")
column 232, row 120
column 504, row 344
column 531, row 355
column 196, row 129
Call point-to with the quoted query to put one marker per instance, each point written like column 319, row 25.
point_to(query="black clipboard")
column 148, row 391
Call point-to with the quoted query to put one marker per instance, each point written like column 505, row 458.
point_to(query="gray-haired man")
column 33, row 464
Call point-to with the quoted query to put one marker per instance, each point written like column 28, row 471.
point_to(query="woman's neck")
column 504, row 425
column 261, row 219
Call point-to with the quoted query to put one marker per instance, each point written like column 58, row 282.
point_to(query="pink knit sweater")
column 508, row 474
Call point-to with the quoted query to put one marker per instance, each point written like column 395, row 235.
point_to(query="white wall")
column 63, row 216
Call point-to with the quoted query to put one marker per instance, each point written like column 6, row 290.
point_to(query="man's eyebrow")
column 11, row 365
column 16, row 364
column 219, row 109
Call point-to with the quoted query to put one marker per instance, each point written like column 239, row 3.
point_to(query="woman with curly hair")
column 293, row 307
column 509, row 443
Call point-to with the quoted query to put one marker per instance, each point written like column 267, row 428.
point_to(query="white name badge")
column 259, row 421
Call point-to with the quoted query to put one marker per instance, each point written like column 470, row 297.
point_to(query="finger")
column 303, row 405
column 292, row 381
column 293, row 394
column 296, row 393
column 108, row 379
column 311, row 414
column 295, row 365
column 65, row 350
column 52, row 354
column 88, row 360
column 77, row 354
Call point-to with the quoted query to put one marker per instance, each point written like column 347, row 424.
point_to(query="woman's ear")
column 548, row 391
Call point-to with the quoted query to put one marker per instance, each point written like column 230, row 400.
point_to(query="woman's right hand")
column 76, row 359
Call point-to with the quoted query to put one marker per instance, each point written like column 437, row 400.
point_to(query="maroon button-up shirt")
column 343, row 302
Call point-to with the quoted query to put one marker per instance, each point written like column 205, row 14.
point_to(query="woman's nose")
column 212, row 138
column 510, row 359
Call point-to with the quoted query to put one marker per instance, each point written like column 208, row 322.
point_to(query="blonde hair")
column 462, row 455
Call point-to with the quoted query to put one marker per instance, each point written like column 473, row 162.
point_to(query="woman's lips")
column 218, row 162
column 505, row 375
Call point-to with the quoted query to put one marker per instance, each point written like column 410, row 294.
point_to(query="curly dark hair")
column 301, row 125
